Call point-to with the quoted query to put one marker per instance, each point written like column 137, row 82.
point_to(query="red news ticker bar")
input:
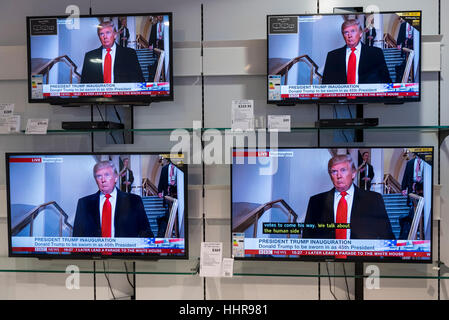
column 98, row 250
column 118, row 93
column 251, row 154
column 351, row 95
column 416, row 254
column 32, row 160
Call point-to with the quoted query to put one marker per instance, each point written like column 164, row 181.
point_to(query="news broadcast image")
column 285, row 204
column 65, row 61
column 54, row 203
column 306, row 57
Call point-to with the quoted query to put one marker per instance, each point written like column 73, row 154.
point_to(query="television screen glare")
column 288, row 204
column 310, row 58
column 57, row 202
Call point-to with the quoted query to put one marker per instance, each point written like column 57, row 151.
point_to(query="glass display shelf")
column 339, row 270
column 110, row 266
column 293, row 129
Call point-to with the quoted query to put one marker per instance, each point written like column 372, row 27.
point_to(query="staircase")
column 393, row 58
column 396, row 205
column 147, row 58
column 154, row 209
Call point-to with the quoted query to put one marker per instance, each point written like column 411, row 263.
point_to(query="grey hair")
column 104, row 164
column 106, row 24
column 339, row 158
column 351, row 22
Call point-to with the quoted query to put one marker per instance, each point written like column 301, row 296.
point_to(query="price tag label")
column 281, row 123
column 242, row 115
column 37, row 126
column 211, row 259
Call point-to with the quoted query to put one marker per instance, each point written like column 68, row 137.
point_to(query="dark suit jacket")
column 123, row 186
column 163, row 180
column 370, row 175
column 126, row 66
column 369, row 219
column 373, row 34
column 372, row 66
column 130, row 217
column 407, row 179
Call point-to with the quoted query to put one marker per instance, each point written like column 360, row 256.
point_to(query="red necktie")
column 106, row 218
column 351, row 67
column 172, row 172
column 342, row 216
column 107, row 67
column 418, row 171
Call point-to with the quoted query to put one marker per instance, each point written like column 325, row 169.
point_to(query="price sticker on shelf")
column 281, row 123
column 211, row 259
column 242, row 115
column 37, row 126
column 6, row 109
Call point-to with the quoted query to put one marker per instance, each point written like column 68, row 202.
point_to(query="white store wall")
column 234, row 68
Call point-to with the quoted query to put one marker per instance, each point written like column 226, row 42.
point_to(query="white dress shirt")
column 113, row 201
column 357, row 59
column 103, row 55
column 421, row 167
column 349, row 199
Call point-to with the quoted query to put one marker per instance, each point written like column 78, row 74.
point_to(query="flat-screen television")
column 332, row 204
column 115, row 58
column 344, row 58
column 86, row 205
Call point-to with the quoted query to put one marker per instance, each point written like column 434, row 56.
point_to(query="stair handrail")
column 160, row 64
column 417, row 215
column 254, row 215
column 45, row 69
column 172, row 220
column 391, row 184
column 141, row 42
column 148, row 185
column 410, row 54
column 33, row 213
column 389, row 41
column 285, row 68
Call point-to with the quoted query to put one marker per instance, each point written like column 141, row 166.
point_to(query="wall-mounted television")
column 344, row 58
column 86, row 205
column 332, row 204
column 115, row 59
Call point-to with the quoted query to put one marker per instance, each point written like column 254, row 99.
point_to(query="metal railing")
column 45, row 69
column 285, row 68
column 34, row 213
column 253, row 216
column 172, row 225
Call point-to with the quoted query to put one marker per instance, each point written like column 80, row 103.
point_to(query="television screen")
column 97, row 205
column 121, row 58
column 344, row 58
column 342, row 204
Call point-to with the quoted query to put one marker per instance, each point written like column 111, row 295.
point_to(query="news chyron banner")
column 61, row 245
column 242, row 246
column 40, row 90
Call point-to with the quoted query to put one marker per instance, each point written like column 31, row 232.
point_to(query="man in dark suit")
column 156, row 39
column 412, row 182
column 366, row 173
column 126, row 177
column 413, row 179
column 355, row 62
column 110, row 212
column 110, row 63
column 364, row 211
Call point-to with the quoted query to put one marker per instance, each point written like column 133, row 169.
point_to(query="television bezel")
column 122, row 100
column 343, row 100
column 87, row 255
column 332, row 258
